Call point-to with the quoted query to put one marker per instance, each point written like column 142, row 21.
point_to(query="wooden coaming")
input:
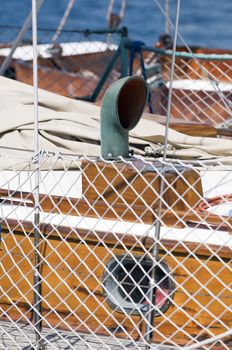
column 130, row 191
column 139, row 183
column 186, row 126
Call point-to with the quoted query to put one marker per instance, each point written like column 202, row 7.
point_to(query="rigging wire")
column 6, row 63
column 171, row 80
column 228, row 333
column 157, row 224
column 63, row 21
column 113, row 18
column 167, row 17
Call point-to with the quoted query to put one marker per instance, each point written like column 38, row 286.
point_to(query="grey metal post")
column 18, row 39
column 167, row 16
column 37, row 266
column 157, row 224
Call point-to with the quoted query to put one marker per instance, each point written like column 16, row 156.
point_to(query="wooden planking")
column 72, row 234
column 205, row 106
column 73, row 76
column 91, row 209
column 195, row 129
column 186, row 126
column 54, row 80
column 179, row 216
column 100, row 209
column 198, row 68
column 218, row 70
column 72, row 272
column 197, row 106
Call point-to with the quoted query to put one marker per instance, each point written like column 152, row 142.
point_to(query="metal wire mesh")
column 73, row 66
column 201, row 87
column 97, row 234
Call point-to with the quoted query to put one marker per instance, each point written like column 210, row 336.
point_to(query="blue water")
column 202, row 22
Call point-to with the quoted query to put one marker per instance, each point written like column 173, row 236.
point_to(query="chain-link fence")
column 126, row 254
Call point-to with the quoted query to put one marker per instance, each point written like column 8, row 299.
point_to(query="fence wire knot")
column 156, row 150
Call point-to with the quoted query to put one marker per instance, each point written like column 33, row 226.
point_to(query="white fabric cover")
column 73, row 127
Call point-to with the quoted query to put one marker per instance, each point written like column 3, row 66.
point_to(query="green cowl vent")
column 121, row 110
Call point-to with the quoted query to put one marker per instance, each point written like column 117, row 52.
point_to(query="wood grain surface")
column 73, row 294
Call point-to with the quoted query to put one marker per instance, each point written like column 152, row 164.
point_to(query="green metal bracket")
column 122, row 52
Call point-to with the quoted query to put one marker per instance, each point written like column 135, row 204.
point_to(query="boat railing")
column 201, row 86
column 96, row 263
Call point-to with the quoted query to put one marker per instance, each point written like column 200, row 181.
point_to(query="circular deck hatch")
column 126, row 283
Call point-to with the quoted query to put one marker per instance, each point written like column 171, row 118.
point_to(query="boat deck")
column 11, row 337
column 20, row 336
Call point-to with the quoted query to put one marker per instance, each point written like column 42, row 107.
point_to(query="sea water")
column 202, row 22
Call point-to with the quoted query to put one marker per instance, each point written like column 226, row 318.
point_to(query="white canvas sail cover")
column 73, row 127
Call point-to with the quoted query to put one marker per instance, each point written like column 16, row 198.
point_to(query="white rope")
column 35, row 75
column 210, row 340
column 63, row 21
